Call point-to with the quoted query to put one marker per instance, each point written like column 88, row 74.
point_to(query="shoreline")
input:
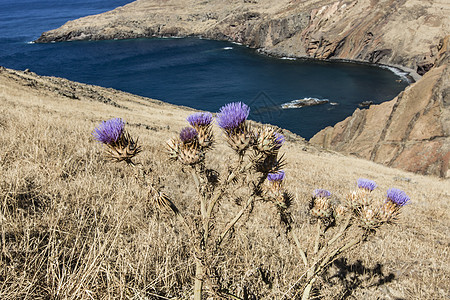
column 409, row 74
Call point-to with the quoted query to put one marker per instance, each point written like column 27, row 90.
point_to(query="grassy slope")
column 73, row 225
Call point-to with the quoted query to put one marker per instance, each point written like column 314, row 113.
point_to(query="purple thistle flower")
column 321, row 193
column 187, row 134
column 200, row 119
column 279, row 139
column 279, row 176
column 232, row 115
column 109, row 131
column 366, row 184
column 397, row 196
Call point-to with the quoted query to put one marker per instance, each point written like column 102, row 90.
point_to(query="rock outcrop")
column 405, row 32
column 410, row 132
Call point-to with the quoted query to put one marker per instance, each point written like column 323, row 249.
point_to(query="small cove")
column 202, row 74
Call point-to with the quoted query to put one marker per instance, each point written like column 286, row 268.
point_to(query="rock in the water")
column 304, row 102
column 365, row 104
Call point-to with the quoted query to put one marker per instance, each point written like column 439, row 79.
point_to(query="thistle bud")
column 340, row 211
column 268, row 140
column 370, row 219
column 231, row 118
column 320, row 204
column 358, row 198
column 173, row 147
column 276, row 180
column 366, row 184
column 190, row 155
column 188, row 135
column 395, row 200
column 185, row 148
column 121, row 146
column 202, row 123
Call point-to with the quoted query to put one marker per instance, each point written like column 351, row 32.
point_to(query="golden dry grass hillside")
column 75, row 226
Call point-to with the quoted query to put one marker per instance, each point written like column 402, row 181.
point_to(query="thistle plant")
column 254, row 174
column 120, row 145
column 341, row 225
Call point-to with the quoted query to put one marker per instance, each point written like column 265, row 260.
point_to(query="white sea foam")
column 334, row 103
column 227, row 48
column 400, row 73
column 32, row 42
column 288, row 58
column 308, row 101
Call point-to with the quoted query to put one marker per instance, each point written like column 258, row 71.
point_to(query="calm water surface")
column 198, row 73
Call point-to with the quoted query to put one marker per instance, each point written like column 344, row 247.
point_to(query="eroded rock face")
column 405, row 32
column 410, row 132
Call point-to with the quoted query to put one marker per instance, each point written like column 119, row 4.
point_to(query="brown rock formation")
column 411, row 132
column 403, row 32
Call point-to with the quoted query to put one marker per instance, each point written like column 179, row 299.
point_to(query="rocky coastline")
column 410, row 35
column 405, row 33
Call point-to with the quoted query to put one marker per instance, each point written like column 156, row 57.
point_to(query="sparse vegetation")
column 74, row 225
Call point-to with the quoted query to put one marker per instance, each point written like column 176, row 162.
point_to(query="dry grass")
column 76, row 226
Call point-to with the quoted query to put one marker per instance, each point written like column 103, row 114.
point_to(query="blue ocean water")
column 193, row 72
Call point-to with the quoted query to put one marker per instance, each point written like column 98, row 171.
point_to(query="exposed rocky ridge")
column 411, row 132
column 403, row 32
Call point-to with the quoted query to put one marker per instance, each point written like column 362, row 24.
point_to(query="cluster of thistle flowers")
column 360, row 203
column 120, row 145
column 190, row 147
column 194, row 141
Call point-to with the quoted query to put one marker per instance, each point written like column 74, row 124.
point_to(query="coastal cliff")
column 405, row 33
column 410, row 132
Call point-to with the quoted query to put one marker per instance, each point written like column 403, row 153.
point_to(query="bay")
column 198, row 73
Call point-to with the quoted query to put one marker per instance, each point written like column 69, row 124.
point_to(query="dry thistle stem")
column 121, row 146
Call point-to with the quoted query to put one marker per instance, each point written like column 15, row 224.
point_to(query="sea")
column 194, row 72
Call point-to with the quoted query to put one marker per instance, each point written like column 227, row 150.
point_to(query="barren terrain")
column 76, row 226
